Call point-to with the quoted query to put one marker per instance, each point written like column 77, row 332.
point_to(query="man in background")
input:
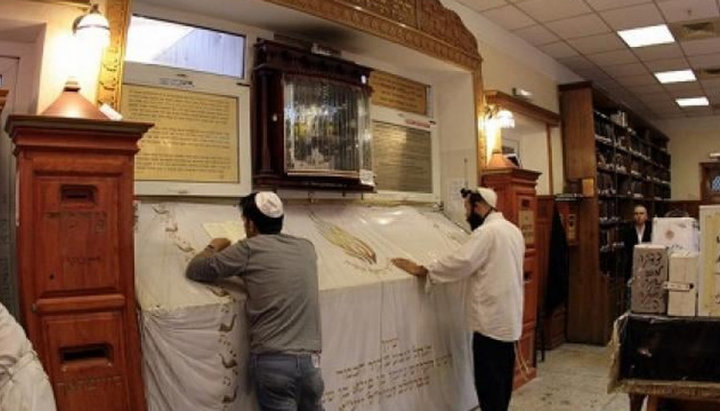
column 642, row 229
column 639, row 232
column 280, row 273
column 492, row 260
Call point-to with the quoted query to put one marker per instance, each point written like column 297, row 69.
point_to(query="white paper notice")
column 232, row 230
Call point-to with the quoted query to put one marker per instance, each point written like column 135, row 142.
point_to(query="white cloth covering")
column 24, row 386
column 676, row 233
column 386, row 344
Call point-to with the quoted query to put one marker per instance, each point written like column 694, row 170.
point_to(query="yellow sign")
column 402, row 158
column 526, row 222
column 398, row 92
column 195, row 138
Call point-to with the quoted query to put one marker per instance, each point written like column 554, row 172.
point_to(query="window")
column 715, row 185
column 153, row 41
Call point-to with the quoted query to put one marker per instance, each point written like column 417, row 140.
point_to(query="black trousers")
column 494, row 369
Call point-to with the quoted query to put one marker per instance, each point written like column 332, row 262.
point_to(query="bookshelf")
column 628, row 160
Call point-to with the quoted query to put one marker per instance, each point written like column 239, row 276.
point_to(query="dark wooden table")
column 674, row 362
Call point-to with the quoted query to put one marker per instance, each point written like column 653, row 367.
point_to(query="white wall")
column 458, row 141
column 60, row 55
column 510, row 62
column 691, row 140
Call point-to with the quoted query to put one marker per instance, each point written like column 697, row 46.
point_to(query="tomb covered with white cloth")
column 387, row 344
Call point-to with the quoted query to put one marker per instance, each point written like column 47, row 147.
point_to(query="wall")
column 691, row 140
column 532, row 148
column 520, row 65
column 458, row 156
column 60, row 55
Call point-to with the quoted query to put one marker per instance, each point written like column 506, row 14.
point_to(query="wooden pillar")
column 517, row 200
column 75, row 252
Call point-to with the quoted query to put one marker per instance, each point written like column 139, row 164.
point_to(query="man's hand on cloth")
column 219, row 244
column 410, row 266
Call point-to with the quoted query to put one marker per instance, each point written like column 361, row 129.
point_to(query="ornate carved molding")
column 402, row 11
column 110, row 80
column 437, row 21
column 435, row 31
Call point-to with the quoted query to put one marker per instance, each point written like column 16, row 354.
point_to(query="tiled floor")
column 572, row 378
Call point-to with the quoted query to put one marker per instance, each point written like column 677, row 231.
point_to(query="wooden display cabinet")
column 311, row 120
column 75, row 256
column 517, row 201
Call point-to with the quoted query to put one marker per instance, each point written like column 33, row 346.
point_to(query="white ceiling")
column 580, row 34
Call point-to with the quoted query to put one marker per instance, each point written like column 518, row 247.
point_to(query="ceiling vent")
column 695, row 30
column 707, row 73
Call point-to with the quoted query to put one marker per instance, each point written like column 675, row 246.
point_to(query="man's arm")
column 458, row 265
column 463, row 262
column 217, row 260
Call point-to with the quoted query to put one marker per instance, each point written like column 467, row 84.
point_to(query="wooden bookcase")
column 629, row 164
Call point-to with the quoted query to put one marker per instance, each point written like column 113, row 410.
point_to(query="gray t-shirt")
column 280, row 272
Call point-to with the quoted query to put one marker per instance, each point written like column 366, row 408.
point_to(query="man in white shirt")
column 492, row 259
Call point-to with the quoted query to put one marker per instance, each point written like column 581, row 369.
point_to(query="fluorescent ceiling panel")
column 692, row 102
column 675, row 76
column 647, row 36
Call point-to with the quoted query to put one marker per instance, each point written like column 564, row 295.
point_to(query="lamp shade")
column 92, row 28
column 505, row 119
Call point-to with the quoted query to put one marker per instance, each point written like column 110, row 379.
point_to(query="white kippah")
column 269, row 204
column 488, row 194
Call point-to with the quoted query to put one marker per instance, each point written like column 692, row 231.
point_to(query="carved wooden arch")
column 423, row 25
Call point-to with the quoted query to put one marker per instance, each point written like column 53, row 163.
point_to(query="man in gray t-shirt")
column 280, row 273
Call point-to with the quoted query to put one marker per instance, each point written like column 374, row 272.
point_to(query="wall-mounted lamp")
column 497, row 119
column 505, row 119
column 502, row 118
column 92, row 28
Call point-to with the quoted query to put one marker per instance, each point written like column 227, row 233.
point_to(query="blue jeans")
column 287, row 382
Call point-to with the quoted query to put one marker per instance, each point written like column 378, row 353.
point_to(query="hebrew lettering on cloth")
column 709, row 292
column 650, row 272
column 386, row 344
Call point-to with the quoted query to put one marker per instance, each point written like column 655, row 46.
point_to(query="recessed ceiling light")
column 647, row 36
column 692, row 102
column 676, row 76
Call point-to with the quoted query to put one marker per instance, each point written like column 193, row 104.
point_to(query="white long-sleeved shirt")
column 493, row 260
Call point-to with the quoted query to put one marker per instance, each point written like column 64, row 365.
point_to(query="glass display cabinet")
column 311, row 124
